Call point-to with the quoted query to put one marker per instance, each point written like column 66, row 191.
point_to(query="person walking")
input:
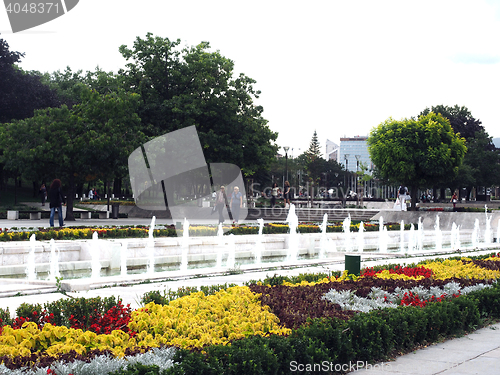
column 287, row 193
column 220, row 202
column 236, row 204
column 402, row 193
column 274, row 194
column 56, row 201
column 454, row 200
column 43, row 194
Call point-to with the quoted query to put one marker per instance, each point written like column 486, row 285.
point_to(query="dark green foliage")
column 5, row 317
column 167, row 296
column 139, row 369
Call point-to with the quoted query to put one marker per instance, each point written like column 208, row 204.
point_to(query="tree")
column 21, row 93
column 479, row 166
column 194, row 86
column 314, row 163
column 461, row 120
column 91, row 140
column 416, row 153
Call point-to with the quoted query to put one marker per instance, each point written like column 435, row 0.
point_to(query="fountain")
column 420, row 235
column 259, row 246
column 30, row 267
column 438, row 235
column 382, row 241
column 95, row 264
column 411, row 239
column 323, row 242
column 220, row 236
column 231, row 258
column 498, row 231
column 487, row 231
column 151, row 247
column 123, row 259
column 185, row 245
column 346, row 226
column 293, row 223
column 475, row 234
column 361, row 238
column 54, row 261
column 455, row 237
column 402, row 236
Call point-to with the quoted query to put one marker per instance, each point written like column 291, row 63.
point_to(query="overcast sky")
column 337, row 67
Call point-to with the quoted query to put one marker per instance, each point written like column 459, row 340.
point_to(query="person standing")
column 402, row 193
column 56, row 201
column 91, row 194
column 43, row 194
column 454, row 200
column 287, row 193
column 236, row 204
column 220, row 202
column 274, row 194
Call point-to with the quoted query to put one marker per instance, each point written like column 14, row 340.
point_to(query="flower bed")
column 142, row 231
column 262, row 327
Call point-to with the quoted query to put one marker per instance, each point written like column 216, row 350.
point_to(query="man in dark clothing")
column 56, row 201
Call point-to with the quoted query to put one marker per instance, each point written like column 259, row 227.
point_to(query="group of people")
column 276, row 192
column 93, row 194
column 403, row 196
column 235, row 203
column 56, row 200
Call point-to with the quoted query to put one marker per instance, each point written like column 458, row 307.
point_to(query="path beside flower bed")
column 475, row 353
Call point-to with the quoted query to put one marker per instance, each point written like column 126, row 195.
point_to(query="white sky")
column 337, row 67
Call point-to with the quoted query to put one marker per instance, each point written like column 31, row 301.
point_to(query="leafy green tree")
column 416, row 153
column 479, row 166
column 194, row 86
column 91, row 140
column 461, row 119
column 21, row 93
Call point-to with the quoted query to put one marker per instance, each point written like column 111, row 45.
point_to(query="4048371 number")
column 33, row 8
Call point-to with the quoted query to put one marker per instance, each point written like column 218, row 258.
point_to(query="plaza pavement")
column 475, row 353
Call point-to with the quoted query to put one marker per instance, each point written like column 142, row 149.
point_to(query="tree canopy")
column 416, row 153
column 461, row 119
column 92, row 139
column 480, row 165
column 195, row 86
column 21, row 93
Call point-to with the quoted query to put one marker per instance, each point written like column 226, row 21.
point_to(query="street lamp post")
column 346, row 157
column 357, row 167
column 286, row 148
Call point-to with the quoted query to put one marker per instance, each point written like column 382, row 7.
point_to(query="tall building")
column 332, row 151
column 352, row 151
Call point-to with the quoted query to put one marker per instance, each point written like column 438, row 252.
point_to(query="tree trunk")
column 414, row 198
column 117, row 187
column 108, row 194
column 70, row 216
column 442, row 195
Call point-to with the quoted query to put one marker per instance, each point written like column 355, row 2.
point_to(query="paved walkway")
column 476, row 353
